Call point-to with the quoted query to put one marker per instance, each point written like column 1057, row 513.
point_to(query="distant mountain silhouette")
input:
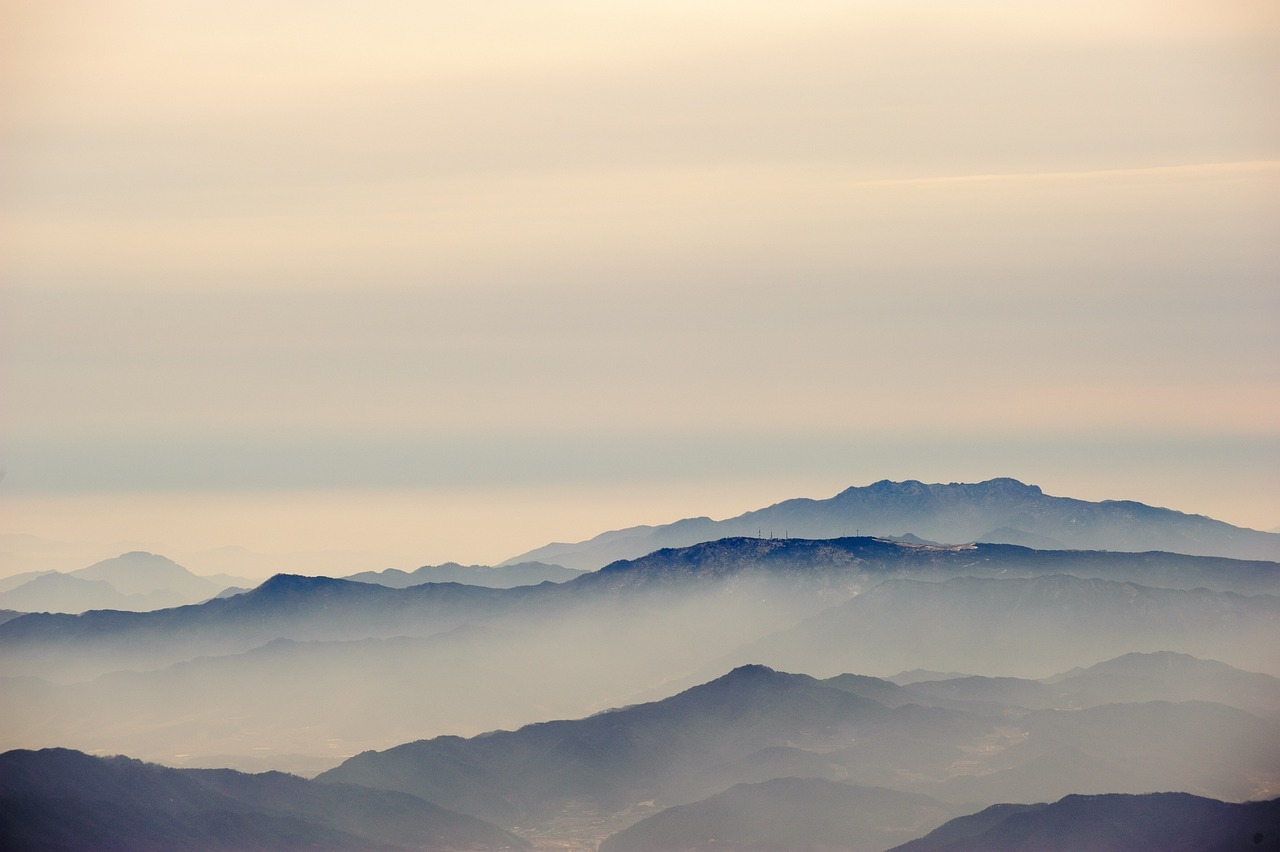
column 1155, row 822
column 135, row 582
column 501, row 577
column 57, row 799
column 13, row 581
column 997, row 511
column 57, row 592
column 1166, row 676
column 786, row 813
column 1130, row 678
column 141, row 573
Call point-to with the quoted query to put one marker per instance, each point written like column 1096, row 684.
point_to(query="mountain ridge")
column 497, row 577
column 756, row 724
column 992, row 511
column 136, row 581
column 1171, row 822
column 60, row 799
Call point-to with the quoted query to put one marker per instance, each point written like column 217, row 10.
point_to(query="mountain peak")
column 1010, row 485
column 290, row 585
column 749, row 671
column 1005, row 485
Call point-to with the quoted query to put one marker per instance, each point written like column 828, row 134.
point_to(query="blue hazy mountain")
column 285, row 606
column 15, row 580
column 57, row 799
column 58, row 592
column 500, row 577
column 1166, row 676
column 1155, row 822
column 997, row 511
column 135, row 581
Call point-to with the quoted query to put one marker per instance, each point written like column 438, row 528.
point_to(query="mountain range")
column 913, row 756
column 1154, row 822
column 1001, row 511
column 134, row 581
column 143, row 582
column 499, row 577
column 473, row 707
column 754, row 759
column 301, row 672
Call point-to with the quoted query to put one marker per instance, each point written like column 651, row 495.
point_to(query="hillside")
column 58, row 799
column 786, row 813
column 1155, row 822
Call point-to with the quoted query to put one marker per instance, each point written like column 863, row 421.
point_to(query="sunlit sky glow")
column 390, row 283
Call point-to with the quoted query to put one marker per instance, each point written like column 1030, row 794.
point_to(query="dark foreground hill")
column 58, row 799
column 1156, row 822
column 999, row 511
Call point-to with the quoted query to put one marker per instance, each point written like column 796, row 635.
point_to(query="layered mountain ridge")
column 664, row 767
column 569, row 711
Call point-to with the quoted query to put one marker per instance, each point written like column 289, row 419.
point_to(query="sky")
column 331, row 286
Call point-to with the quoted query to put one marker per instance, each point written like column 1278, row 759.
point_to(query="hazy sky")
column 416, row 281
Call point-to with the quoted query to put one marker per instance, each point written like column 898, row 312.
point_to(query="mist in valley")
column 781, row 691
